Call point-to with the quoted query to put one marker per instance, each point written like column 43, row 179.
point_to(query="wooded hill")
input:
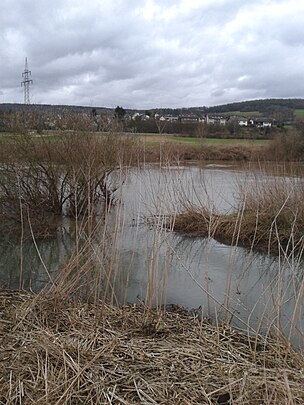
column 263, row 106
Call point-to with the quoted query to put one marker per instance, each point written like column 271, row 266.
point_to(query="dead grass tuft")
column 55, row 350
column 260, row 231
column 172, row 152
column 269, row 215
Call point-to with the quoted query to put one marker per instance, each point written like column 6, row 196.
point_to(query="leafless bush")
column 69, row 175
column 288, row 146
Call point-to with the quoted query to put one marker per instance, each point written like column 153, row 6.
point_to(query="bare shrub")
column 288, row 146
column 69, row 175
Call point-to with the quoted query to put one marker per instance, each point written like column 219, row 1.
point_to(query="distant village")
column 261, row 122
column 192, row 122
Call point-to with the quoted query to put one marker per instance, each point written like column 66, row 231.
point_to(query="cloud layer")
column 152, row 53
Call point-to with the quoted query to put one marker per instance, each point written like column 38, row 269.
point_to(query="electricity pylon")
column 26, row 83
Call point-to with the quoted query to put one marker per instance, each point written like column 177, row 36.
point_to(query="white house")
column 190, row 118
column 243, row 122
column 170, row 118
column 215, row 119
column 263, row 122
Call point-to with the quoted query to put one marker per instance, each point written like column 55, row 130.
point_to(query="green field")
column 156, row 139
column 7, row 137
column 247, row 114
column 153, row 139
column 248, row 142
column 299, row 114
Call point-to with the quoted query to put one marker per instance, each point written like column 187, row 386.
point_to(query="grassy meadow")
column 247, row 114
column 299, row 114
column 153, row 140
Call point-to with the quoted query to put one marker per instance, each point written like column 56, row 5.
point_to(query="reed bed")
column 268, row 215
column 171, row 151
column 250, row 229
column 55, row 350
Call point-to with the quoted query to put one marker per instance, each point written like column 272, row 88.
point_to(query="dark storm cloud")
column 152, row 53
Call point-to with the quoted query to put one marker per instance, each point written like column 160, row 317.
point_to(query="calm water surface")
column 156, row 264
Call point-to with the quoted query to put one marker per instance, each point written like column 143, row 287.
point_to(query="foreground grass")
column 54, row 350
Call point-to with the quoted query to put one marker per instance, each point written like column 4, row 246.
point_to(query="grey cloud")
column 148, row 53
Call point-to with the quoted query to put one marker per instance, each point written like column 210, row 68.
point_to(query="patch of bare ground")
column 54, row 351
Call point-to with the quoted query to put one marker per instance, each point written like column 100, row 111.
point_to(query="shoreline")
column 250, row 230
column 56, row 350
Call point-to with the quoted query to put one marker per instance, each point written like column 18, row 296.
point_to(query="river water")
column 155, row 265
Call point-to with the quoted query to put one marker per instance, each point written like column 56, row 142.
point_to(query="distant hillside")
column 267, row 107
column 49, row 108
column 263, row 106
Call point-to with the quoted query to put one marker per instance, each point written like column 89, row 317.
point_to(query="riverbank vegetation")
column 45, row 179
column 182, row 151
column 70, row 175
column 75, row 342
column 286, row 145
column 268, row 216
column 57, row 350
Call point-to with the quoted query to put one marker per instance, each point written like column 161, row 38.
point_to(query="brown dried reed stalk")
column 55, row 350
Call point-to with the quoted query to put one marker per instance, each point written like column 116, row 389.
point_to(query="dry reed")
column 172, row 152
column 254, row 230
column 268, row 217
column 55, row 351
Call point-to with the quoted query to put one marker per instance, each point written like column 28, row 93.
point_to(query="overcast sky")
column 152, row 53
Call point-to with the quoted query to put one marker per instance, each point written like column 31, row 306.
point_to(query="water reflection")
column 154, row 265
column 23, row 265
column 214, row 277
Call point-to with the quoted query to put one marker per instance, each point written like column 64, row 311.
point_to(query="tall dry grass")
column 288, row 146
column 168, row 152
column 67, row 345
column 268, row 215
column 56, row 350
column 276, row 203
